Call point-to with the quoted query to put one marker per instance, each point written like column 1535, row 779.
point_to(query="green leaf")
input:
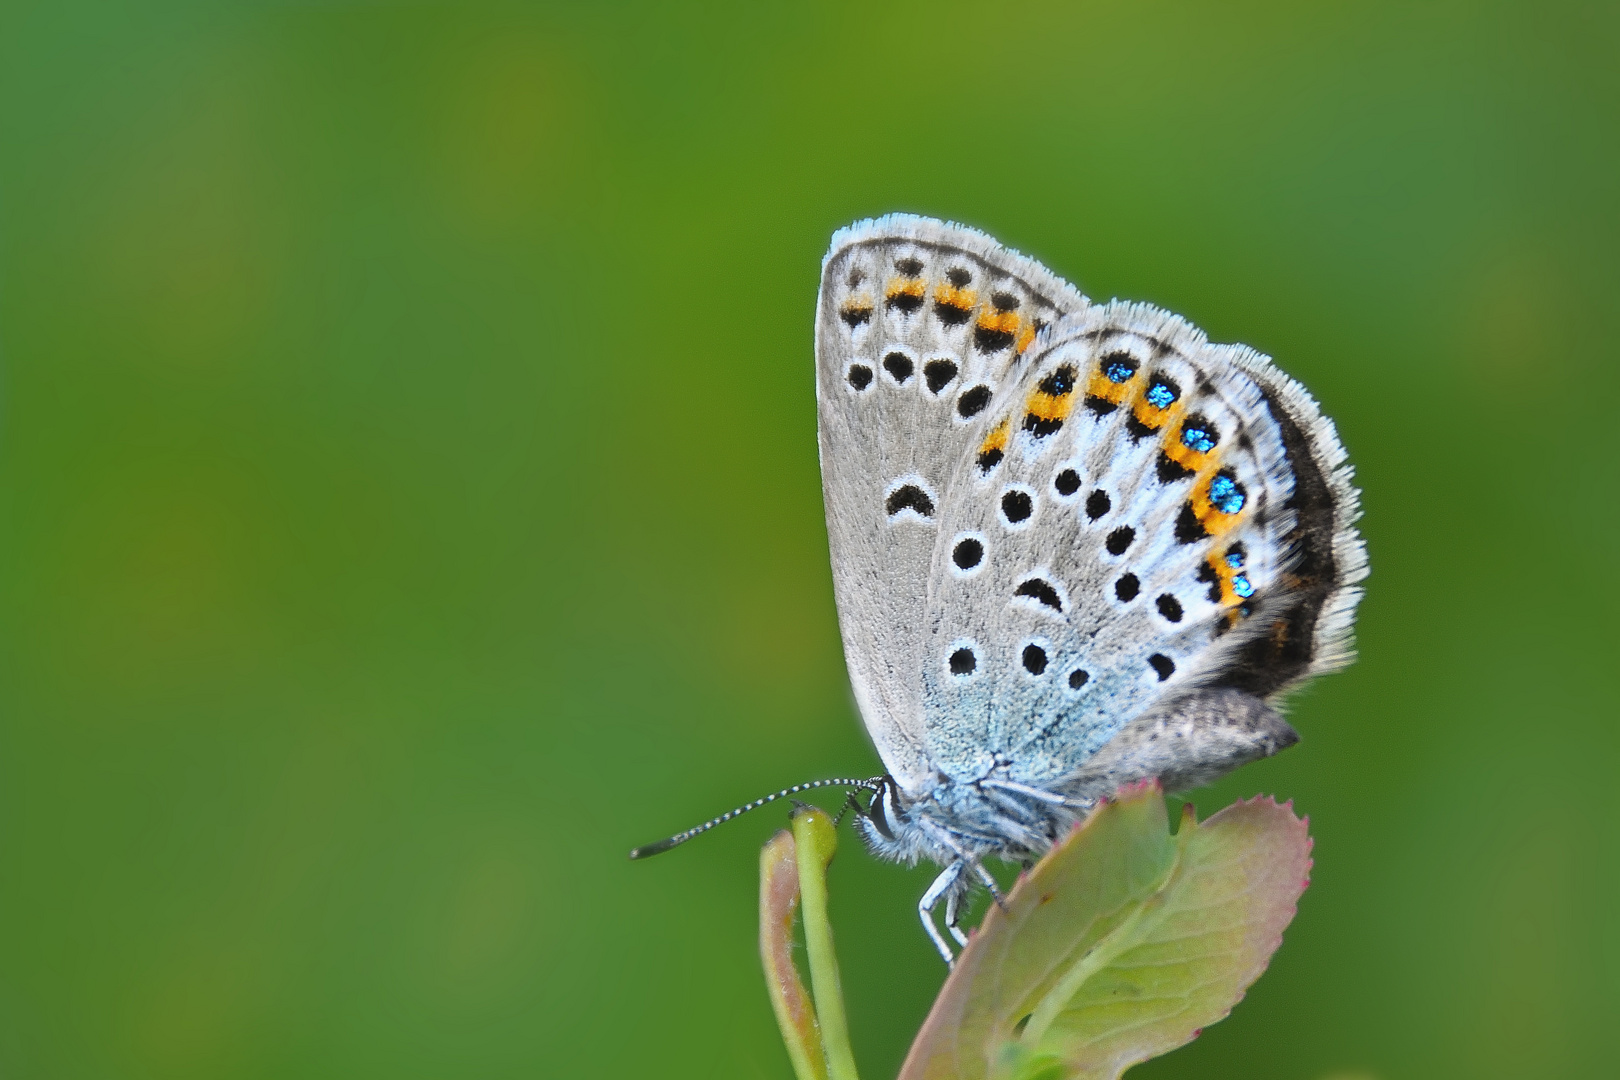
column 1121, row 945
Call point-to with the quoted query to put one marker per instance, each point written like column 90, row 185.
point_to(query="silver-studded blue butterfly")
column 1074, row 545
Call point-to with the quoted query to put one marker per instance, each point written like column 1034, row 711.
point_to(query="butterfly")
column 1074, row 545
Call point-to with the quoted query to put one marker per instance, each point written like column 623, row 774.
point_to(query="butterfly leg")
column 989, row 882
column 944, row 884
column 953, row 911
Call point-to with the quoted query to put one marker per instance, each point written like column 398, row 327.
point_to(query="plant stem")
column 778, row 899
column 816, row 841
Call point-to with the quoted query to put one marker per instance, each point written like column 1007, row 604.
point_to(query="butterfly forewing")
column 920, row 325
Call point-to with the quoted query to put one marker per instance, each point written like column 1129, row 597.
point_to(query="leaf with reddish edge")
column 778, row 900
column 1122, row 944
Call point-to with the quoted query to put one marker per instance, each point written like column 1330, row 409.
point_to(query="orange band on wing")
column 954, row 304
column 1002, row 322
column 996, row 441
column 905, row 293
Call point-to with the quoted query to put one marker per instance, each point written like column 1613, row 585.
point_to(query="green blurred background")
column 408, row 502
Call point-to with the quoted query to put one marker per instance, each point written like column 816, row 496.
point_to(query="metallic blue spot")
column 1224, row 493
column 1241, row 586
column 1119, row 371
column 1234, row 559
column 1160, row 395
column 1197, row 438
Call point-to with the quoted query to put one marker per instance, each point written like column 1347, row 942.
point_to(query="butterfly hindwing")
column 919, row 327
column 1127, row 530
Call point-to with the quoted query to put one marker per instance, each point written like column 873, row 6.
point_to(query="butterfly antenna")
column 678, row 839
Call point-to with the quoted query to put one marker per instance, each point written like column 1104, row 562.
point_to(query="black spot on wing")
column 1127, row 587
column 1034, row 659
column 972, row 401
column 988, row 339
column 1118, row 367
column 1016, row 506
column 938, row 374
column 1041, row 591
column 1041, row 426
column 899, row 365
column 1199, row 434
column 1169, row 471
column 1188, row 527
column 909, row 497
column 1163, row 665
column 1120, row 539
column 1138, row 430
column 1058, row 384
column 860, row 376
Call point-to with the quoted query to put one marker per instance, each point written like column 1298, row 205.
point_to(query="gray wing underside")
column 1121, row 572
column 919, row 327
